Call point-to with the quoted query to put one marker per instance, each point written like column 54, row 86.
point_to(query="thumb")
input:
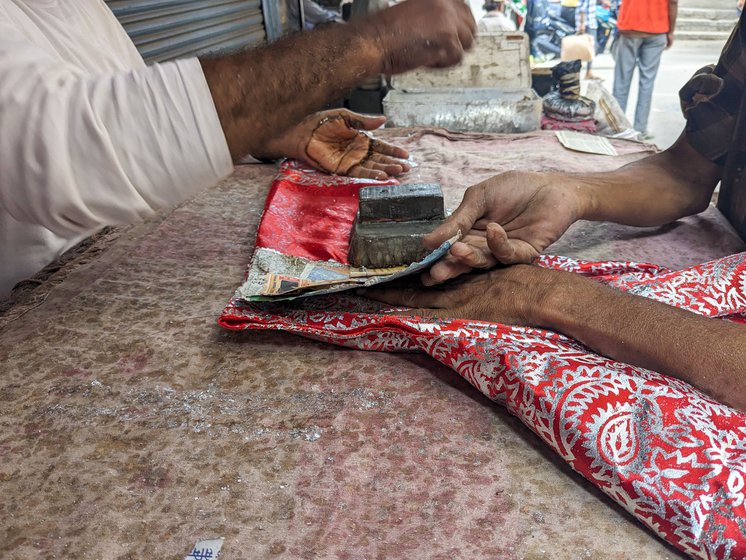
column 364, row 122
column 372, row 123
column 463, row 219
column 506, row 250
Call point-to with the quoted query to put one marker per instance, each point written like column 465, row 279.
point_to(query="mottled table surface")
column 132, row 426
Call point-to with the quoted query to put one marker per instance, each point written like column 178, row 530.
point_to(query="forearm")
column 673, row 12
column 707, row 353
column 262, row 92
column 654, row 191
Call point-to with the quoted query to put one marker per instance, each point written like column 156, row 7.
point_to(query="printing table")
column 131, row 425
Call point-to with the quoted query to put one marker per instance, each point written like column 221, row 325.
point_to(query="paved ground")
column 679, row 63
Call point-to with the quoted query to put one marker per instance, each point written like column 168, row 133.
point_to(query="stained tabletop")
column 131, row 425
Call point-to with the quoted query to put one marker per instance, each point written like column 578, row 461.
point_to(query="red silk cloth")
column 310, row 214
column 668, row 454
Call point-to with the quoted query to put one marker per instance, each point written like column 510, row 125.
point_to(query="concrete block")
column 498, row 60
column 413, row 201
column 468, row 110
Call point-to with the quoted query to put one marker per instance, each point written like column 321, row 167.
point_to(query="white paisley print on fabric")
column 667, row 453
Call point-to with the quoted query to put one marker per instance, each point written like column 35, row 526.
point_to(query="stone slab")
column 497, row 60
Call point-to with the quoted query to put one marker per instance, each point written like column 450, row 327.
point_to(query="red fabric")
column 648, row 16
column 307, row 218
column 665, row 452
column 548, row 123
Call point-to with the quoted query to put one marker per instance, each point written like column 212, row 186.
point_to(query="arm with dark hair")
column 710, row 354
column 260, row 93
column 511, row 218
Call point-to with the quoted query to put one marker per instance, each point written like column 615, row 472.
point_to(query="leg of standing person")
column 649, row 56
column 589, row 75
column 626, row 59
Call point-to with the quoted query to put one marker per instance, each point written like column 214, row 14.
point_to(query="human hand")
column 510, row 218
column 336, row 142
column 431, row 33
column 517, row 295
column 669, row 39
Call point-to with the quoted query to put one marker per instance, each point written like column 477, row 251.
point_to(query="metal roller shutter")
column 168, row 29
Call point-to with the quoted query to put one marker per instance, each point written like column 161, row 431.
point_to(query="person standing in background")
column 495, row 20
column 646, row 29
column 313, row 14
column 586, row 23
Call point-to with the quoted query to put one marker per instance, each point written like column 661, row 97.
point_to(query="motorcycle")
column 606, row 17
column 545, row 29
column 516, row 10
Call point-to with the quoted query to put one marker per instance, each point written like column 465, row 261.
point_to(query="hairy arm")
column 654, row 191
column 511, row 218
column 707, row 353
column 260, row 93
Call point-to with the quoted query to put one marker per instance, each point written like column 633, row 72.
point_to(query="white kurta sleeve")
column 79, row 152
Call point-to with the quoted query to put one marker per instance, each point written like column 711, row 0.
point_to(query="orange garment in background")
column 647, row 16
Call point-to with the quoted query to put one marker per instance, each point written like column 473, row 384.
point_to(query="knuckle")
column 408, row 297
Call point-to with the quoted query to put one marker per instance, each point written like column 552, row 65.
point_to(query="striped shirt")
column 586, row 12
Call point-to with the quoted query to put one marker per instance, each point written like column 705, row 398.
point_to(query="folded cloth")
column 667, row 453
column 548, row 123
column 309, row 214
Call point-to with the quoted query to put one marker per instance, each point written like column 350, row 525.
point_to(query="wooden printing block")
column 391, row 222
column 400, row 203
column 389, row 244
